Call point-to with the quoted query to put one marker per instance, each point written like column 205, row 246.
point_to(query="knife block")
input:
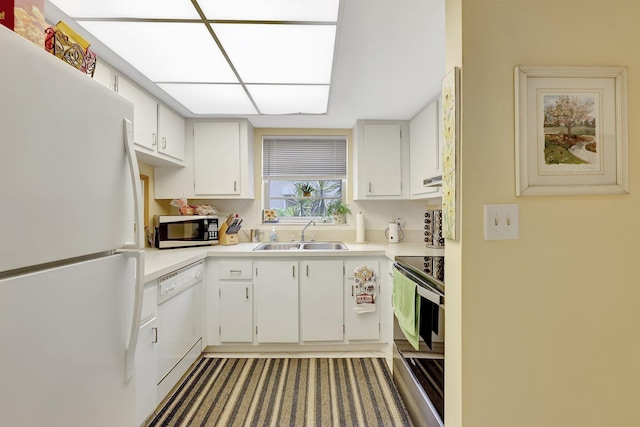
column 224, row 238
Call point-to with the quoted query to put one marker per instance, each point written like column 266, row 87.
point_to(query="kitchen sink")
column 324, row 246
column 294, row 246
column 277, row 247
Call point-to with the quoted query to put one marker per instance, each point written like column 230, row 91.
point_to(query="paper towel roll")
column 360, row 228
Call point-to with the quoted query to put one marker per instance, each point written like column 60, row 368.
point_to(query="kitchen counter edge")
column 159, row 262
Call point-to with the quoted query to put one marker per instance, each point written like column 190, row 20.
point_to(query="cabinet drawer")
column 236, row 270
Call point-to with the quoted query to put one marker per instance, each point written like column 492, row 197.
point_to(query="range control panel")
column 174, row 283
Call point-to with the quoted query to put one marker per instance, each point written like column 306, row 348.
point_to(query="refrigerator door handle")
column 138, row 242
column 129, row 363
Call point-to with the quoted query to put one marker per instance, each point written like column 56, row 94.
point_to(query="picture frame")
column 571, row 131
column 450, row 135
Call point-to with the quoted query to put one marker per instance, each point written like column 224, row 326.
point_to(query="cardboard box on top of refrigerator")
column 25, row 17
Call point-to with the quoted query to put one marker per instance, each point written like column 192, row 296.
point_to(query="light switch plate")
column 501, row 222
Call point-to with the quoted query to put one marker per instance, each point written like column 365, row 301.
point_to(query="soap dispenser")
column 274, row 236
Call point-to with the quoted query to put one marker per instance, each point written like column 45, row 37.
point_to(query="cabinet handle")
column 154, row 137
column 246, row 292
column 155, row 335
column 235, row 271
column 307, row 270
column 164, row 142
column 293, row 271
column 369, row 187
column 235, row 185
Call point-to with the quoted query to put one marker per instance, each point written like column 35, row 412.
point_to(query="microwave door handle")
column 138, row 242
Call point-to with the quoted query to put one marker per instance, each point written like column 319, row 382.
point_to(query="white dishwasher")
column 180, row 316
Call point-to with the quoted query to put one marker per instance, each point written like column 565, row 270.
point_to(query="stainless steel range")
column 419, row 374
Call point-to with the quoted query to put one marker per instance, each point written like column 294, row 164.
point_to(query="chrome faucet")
column 305, row 227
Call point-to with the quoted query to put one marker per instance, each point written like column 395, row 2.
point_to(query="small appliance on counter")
column 228, row 233
column 394, row 233
column 179, row 231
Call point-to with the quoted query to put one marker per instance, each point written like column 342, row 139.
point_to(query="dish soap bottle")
column 274, row 236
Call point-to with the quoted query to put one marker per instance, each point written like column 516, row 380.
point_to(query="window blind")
column 291, row 157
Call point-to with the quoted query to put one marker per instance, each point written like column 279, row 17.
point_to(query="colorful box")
column 63, row 42
column 25, row 17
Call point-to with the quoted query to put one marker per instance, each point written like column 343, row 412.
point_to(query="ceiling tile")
column 289, row 99
column 279, row 53
column 165, row 52
column 211, row 98
column 280, row 10
column 165, row 9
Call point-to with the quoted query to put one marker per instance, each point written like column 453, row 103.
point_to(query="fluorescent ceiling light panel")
column 290, row 99
column 279, row 53
column 165, row 52
column 210, row 98
column 273, row 10
column 160, row 9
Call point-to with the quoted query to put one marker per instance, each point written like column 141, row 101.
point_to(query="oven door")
column 419, row 374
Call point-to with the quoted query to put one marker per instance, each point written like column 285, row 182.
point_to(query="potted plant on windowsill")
column 305, row 188
column 339, row 211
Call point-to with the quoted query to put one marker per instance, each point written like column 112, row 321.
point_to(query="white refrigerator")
column 71, row 256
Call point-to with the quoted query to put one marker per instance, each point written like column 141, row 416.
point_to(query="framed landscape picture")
column 571, row 130
column 450, row 134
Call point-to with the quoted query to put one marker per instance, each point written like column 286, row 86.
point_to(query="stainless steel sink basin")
column 294, row 246
column 277, row 247
column 324, row 246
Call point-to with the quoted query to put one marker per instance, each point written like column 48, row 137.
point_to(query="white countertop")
column 159, row 262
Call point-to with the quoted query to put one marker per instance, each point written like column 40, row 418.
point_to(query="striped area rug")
column 286, row 392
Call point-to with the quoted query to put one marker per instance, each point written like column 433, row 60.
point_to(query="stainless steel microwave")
column 185, row 230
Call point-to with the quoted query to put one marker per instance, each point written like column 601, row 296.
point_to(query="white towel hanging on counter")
column 364, row 290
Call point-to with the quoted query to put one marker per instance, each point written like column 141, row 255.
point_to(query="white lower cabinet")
column 363, row 326
column 146, row 361
column 277, row 301
column 294, row 300
column 236, row 311
column 321, row 295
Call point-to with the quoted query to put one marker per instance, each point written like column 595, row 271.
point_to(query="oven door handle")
column 425, row 293
column 431, row 296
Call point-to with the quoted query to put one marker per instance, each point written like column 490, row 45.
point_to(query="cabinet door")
column 236, row 312
column 171, row 132
column 145, row 114
column 146, row 370
column 217, row 157
column 321, row 300
column 277, row 301
column 363, row 326
column 104, row 74
column 382, row 160
column 425, row 151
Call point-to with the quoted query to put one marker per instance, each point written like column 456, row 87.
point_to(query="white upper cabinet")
column 426, row 153
column 158, row 132
column 218, row 163
column 381, row 160
column 223, row 159
column 171, row 130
